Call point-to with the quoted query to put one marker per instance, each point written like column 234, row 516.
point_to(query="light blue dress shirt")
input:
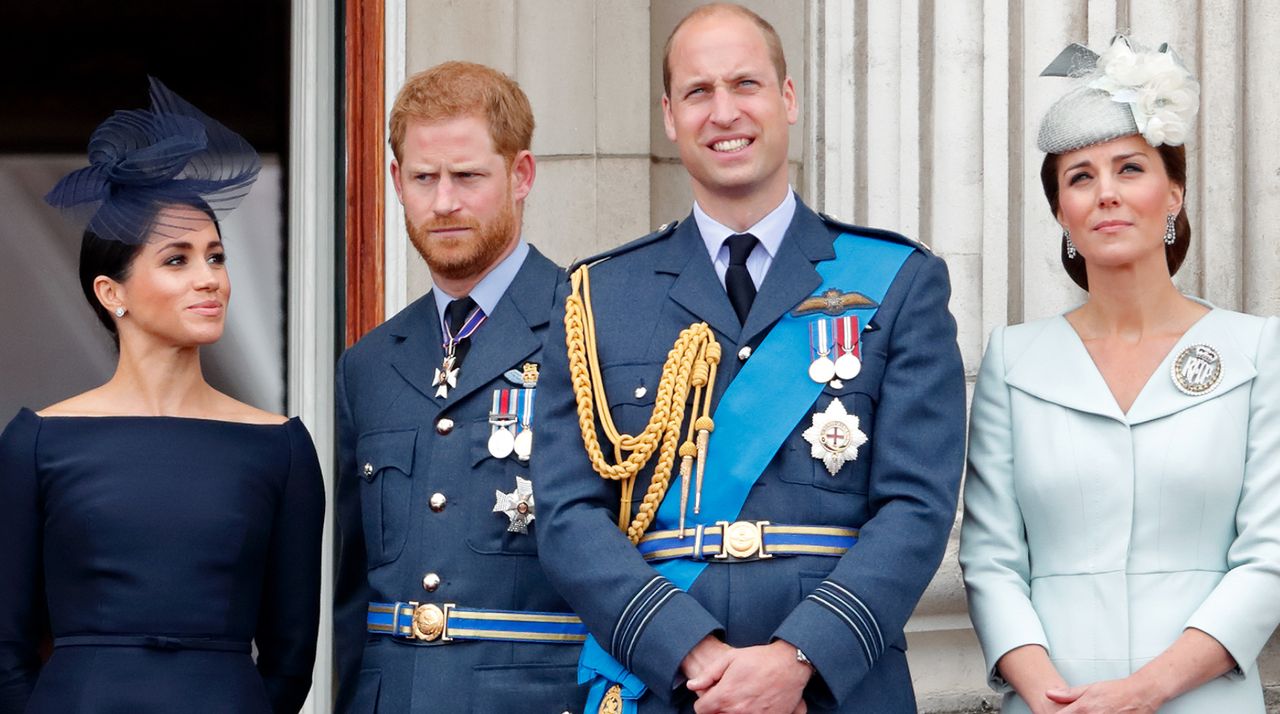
column 491, row 287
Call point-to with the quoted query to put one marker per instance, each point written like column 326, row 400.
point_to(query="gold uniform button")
column 430, row 582
column 437, row 501
column 744, row 353
column 444, row 426
column 368, row 469
column 640, row 392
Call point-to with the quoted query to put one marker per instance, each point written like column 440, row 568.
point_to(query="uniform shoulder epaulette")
column 880, row 233
column 663, row 231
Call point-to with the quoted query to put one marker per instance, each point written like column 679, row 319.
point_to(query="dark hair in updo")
column 1175, row 165
column 110, row 258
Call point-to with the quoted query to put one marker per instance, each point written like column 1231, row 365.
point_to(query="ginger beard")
column 458, row 257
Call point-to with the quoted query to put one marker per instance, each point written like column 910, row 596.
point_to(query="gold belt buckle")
column 431, row 622
column 742, row 540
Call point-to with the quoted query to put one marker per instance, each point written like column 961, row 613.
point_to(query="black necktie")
column 737, row 281
column 455, row 314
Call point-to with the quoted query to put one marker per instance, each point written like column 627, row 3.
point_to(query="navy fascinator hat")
column 143, row 161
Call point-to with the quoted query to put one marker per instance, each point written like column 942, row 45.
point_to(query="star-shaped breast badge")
column 834, row 436
column 518, row 505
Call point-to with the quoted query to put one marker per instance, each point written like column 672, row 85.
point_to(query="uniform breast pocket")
column 631, row 389
column 385, row 462
column 489, row 531
column 836, row 456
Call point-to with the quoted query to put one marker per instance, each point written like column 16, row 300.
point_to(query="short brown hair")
column 459, row 89
column 1175, row 165
column 771, row 39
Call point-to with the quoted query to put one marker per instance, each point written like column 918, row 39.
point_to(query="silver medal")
column 1197, row 370
column 524, row 444
column 822, row 370
column 501, row 443
column 848, row 366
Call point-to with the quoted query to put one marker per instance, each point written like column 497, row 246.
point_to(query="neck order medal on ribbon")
column 446, row 375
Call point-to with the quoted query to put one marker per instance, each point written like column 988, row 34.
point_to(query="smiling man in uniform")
column 772, row 408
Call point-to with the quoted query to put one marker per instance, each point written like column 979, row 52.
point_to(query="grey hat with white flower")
column 1125, row 90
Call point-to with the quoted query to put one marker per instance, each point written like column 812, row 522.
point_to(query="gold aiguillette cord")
column 690, row 367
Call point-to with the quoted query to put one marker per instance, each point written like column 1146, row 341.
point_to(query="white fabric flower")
column 1160, row 92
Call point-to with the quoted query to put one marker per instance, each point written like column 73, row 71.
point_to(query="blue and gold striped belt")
column 431, row 623
column 746, row 541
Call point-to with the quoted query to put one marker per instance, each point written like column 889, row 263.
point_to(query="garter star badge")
column 1197, row 370
column 518, row 505
column 835, row 436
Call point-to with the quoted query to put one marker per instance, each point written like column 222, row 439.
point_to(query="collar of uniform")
column 768, row 230
column 491, row 287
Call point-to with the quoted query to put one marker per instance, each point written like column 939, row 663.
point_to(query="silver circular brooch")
column 1197, row 370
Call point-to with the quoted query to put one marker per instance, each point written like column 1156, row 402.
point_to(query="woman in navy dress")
column 154, row 529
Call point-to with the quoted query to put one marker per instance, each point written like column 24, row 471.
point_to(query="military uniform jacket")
column 900, row 492
column 417, row 445
column 1101, row 535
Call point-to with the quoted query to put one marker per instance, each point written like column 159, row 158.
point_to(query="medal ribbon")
column 526, row 409
column 847, row 336
column 819, row 340
column 742, row 444
column 473, row 322
column 502, row 411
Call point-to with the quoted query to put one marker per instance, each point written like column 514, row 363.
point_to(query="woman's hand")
column 1131, row 695
column 1030, row 673
column 1193, row 659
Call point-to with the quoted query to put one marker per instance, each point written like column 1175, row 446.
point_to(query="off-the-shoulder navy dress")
column 154, row 551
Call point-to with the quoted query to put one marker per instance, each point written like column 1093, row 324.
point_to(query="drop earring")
column 1170, row 229
column 1071, row 247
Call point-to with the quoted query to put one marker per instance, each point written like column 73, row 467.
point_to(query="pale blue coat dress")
column 1102, row 535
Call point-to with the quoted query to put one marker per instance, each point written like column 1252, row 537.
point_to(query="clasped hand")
column 1112, row 696
column 765, row 679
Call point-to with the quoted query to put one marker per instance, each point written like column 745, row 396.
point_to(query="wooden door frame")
column 365, row 140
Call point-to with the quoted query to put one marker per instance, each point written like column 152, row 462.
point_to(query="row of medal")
column 834, row 350
column 835, row 354
column 511, row 416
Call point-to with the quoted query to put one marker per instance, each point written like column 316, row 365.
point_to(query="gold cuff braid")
column 690, row 367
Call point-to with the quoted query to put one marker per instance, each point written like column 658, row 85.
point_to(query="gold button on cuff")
column 430, row 582
column 437, row 502
column 444, row 426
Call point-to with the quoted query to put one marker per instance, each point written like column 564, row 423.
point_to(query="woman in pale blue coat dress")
column 1121, row 537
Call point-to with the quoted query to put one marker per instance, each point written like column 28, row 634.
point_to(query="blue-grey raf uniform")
column 417, row 526
column 845, row 613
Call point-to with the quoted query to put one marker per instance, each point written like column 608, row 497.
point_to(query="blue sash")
column 775, row 381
